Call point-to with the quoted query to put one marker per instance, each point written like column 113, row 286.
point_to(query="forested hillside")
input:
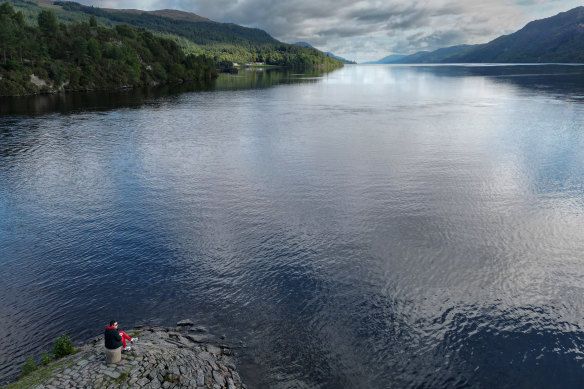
column 223, row 42
column 201, row 33
column 51, row 56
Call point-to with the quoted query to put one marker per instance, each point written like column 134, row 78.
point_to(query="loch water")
column 373, row 227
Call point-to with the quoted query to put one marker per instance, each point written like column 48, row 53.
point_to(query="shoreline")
column 163, row 357
column 64, row 91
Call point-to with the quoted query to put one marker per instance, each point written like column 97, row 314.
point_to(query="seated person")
column 114, row 338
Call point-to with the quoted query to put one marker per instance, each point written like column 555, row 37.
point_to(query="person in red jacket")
column 113, row 336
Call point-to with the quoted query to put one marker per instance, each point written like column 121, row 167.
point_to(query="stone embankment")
column 162, row 357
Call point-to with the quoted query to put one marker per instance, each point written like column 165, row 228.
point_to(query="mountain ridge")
column 555, row 39
column 327, row 53
column 167, row 13
column 392, row 58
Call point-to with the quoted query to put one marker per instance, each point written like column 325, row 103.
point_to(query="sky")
column 369, row 29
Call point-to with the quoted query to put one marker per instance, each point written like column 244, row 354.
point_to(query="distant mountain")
column 327, row 53
column 558, row 39
column 443, row 55
column 198, row 30
column 393, row 58
column 343, row 60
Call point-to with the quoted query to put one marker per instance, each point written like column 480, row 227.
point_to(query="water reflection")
column 562, row 81
column 135, row 98
column 377, row 226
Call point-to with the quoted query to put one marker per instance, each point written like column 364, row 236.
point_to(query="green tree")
column 79, row 46
column 7, row 34
column 48, row 23
column 6, row 9
column 92, row 21
column 93, row 50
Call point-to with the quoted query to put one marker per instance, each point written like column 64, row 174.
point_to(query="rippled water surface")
column 374, row 227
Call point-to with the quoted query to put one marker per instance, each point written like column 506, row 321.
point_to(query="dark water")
column 374, row 227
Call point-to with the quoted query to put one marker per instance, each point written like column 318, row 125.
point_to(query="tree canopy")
column 86, row 56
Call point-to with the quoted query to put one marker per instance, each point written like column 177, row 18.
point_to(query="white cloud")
column 368, row 29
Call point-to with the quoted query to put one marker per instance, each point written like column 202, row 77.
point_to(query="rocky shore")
column 162, row 357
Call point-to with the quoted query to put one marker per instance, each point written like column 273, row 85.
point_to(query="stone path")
column 161, row 358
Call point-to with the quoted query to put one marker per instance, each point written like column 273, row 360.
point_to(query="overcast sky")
column 368, row 30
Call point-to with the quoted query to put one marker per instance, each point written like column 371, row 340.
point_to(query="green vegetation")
column 134, row 333
column 63, row 346
column 28, row 367
column 46, row 47
column 201, row 33
column 46, row 358
column 219, row 41
column 123, row 377
column 40, row 375
column 85, row 56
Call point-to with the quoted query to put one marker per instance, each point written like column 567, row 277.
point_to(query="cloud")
column 368, row 29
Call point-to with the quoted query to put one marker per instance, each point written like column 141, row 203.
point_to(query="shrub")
column 46, row 358
column 63, row 346
column 28, row 367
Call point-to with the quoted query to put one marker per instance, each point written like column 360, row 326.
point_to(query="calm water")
column 374, row 227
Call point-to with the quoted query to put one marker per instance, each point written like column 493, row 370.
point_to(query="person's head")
column 113, row 323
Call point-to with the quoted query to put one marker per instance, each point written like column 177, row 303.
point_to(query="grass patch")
column 124, row 376
column 134, row 333
column 171, row 378
column 40, row 375
column 34, row 375
column 28, row 367
column 107, row 381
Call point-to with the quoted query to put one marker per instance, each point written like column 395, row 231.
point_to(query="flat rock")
column 185, row 322
column 161, row 358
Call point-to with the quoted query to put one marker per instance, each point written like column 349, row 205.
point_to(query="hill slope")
column 166, row 13
column 443, row 55
column 558, row 39
column 52, row 56
column 223, row 42
column 393, row 58
column 199, row 32
column 327, row 53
